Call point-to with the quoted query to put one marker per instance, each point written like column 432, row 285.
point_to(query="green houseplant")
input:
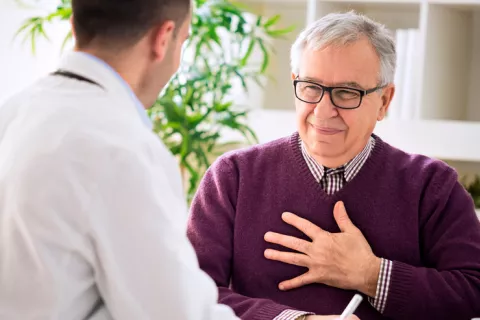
column 473, row 188
column 197, row 106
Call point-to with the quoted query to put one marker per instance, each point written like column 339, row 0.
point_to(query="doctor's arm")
column 145, row 266
column 211, row 231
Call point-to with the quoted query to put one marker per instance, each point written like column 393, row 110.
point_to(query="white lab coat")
column 92, row 212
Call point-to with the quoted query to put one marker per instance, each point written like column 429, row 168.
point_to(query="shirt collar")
column 350, row 169
column 76, row 60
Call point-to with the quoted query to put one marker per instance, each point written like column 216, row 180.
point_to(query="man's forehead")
column 340, row 66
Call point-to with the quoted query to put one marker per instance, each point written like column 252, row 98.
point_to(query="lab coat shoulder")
column 78, row 149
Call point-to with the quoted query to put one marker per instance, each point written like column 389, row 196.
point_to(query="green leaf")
column 273, row 20
column 27, row 24
column 33, row 41
column 266, row 59
column 225, row 7
column 186, row 145
column 195, row 120
column 187, row 99
column 41, row 31
column 241, row 6
column 214, row 36
column 171, row 113
column 253, row 138
column 223, row 107
column 194, row 176
column 202, row 157
column 245, row 58
column 242, row 80
column 280, row 32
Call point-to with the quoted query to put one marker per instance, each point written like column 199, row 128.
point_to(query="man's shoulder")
column 272, row 151
column 419, row 167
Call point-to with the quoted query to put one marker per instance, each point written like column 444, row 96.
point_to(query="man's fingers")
column 297, row 259
column 342, row 218
column 288, row 241
column 300, row 281
column 310, row 229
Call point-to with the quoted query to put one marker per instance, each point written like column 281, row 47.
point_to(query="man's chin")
column 318, row 137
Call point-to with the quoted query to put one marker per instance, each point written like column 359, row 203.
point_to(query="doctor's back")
column 92, row 212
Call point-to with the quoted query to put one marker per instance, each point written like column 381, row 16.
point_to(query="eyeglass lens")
column 342, row 97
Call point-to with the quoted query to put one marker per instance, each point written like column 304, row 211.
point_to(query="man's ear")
column 387, row 96
column 162, row 38
column 293, row 76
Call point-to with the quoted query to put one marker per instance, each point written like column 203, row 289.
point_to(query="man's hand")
column 342, row 260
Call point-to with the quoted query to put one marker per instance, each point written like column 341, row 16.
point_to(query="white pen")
column 352, row 306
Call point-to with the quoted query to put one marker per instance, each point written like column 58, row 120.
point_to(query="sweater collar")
column 350, row 169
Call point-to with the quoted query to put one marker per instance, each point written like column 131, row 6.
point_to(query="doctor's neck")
column 133, row 67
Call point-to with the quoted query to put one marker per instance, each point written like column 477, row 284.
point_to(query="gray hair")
column 343, row 29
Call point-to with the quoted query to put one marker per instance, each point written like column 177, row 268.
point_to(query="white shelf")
column 459, row 3
column 441, row 139
column 394, row 14
column 337, row 1
column 452, row 62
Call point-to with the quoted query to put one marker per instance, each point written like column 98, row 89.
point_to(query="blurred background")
column 234, row 87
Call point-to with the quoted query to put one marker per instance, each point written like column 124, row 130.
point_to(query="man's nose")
column 325, row 108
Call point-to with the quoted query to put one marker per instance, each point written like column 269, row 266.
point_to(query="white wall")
column 18, row 66
column 279, row 90
column 474, row 109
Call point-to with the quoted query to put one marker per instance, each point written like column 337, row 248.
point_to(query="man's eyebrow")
column 349, row 84
column 311, row 79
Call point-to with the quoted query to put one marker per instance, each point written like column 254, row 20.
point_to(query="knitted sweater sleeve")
column 448, row 287
column 211, row 231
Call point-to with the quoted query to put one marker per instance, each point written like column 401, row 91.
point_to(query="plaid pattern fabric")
column 332, row 180
column 380, row 300
column 291, row 315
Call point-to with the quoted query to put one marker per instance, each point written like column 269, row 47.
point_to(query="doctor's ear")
column 162, row 37
column 72, row 26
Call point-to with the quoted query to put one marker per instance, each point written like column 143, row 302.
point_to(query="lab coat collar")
column 95, row 69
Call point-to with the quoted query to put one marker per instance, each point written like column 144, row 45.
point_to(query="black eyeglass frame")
column 330, row 89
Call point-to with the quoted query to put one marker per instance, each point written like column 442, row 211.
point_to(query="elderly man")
column 296, row 226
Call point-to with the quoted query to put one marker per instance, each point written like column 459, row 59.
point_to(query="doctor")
column 92, row 215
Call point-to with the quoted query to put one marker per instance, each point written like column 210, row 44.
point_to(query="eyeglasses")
column 341, row 97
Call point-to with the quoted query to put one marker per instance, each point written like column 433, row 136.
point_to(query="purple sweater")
column 411, row 209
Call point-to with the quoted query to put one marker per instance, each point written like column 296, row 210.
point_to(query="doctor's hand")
column 343, row 260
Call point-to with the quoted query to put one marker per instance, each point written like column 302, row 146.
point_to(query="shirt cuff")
column 383, row 284
column 291, row 315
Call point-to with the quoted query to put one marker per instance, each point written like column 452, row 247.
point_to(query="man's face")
column 330, row 132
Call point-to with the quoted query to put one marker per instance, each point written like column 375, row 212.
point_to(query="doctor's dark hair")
column 121, row 23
